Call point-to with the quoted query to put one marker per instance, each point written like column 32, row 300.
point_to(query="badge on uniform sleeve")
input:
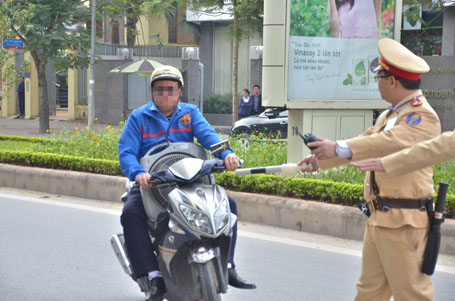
column 414, row 119
column 416, row 102
column 185, row 119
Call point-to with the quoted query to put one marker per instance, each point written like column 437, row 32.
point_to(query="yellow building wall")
column 72, row 93
column 31, row 88
column 151, row 26
column 8, row 103
column 75, row 111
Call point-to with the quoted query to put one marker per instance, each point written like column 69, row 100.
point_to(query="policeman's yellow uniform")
column 423, row 154
column 396, row 232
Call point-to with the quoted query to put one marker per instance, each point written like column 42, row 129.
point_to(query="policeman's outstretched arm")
column 369, row 165
column 324, row 149
column 310, row 159
column 420, row 155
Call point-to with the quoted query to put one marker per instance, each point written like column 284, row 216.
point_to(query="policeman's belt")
column 385, row 204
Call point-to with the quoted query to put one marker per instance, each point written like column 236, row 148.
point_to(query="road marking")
column 318, row 246
column 253, row 235
column 300, row 243
column 61, row 203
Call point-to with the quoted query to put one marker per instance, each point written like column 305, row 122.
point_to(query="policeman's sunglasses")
column 171, row 90
column 378, row 77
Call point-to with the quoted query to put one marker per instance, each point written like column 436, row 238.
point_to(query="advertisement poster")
column 333, row 47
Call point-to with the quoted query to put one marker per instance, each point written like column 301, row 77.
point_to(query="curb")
column 62, row 182
column 295, row 214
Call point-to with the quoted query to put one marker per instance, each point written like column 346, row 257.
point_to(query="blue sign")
column 13, row 44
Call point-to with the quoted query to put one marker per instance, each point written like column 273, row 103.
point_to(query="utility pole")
column 91, row 101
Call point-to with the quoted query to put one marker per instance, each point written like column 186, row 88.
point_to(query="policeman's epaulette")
column 416, row 102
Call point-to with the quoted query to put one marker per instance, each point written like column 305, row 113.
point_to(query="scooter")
column 189, row 219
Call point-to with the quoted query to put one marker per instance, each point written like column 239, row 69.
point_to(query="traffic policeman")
column 161, row 119
column 418, row 156
column 396, row 232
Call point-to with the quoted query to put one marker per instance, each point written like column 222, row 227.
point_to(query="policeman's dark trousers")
column 136, row 233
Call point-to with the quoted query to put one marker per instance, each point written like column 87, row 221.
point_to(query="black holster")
column 433, row 243
column 434, row 232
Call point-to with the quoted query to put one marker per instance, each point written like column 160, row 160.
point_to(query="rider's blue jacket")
column 147, row 127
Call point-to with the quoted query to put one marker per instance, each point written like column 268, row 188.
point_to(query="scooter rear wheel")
column 209, row 281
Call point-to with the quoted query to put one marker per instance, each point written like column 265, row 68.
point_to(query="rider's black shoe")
column 236, row 281
column 158, row 289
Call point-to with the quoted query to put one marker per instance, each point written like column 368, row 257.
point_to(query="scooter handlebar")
column 166, row 176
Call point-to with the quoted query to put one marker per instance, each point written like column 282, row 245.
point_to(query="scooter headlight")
column 196, row 219
column 222, row 215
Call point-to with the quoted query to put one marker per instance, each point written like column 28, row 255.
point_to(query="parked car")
column 271, row 123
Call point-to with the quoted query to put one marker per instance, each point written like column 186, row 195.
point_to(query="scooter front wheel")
column 209, row 281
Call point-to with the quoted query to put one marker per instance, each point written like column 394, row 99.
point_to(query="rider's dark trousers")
column 135, row 230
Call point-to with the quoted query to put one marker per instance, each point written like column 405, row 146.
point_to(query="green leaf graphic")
column 360, row 69
column 412, row 15
column 348, row 81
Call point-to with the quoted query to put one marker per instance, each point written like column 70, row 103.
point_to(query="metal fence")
column 140, row 51
column 82, row 86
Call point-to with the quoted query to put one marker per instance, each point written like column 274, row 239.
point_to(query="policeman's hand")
column 325, row 149
column 143, row 178
column 232, row 162
column 310, row 159
column 369, row 165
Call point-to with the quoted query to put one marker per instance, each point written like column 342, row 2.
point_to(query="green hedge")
column 218, row 104
column 310, row 189
column 25, row 139
column 304, row 188
column 57, row 161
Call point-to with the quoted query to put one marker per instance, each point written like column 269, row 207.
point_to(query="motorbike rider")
column 160, row 119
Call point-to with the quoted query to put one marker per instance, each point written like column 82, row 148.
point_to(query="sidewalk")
column 30, row 128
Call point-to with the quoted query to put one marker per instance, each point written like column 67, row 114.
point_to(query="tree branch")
column 16, row 32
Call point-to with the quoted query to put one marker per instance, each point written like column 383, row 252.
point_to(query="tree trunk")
column 235, row 67
column 43, row 100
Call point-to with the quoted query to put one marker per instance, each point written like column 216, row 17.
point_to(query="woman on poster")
column 355, row 18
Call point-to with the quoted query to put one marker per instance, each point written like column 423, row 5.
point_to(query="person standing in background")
column 257, row 101
column 245, row 104
column 21, row 94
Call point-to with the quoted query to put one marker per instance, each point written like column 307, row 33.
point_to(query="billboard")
column 333, row 48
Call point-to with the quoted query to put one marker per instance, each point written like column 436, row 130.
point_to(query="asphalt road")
column 55, row 248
